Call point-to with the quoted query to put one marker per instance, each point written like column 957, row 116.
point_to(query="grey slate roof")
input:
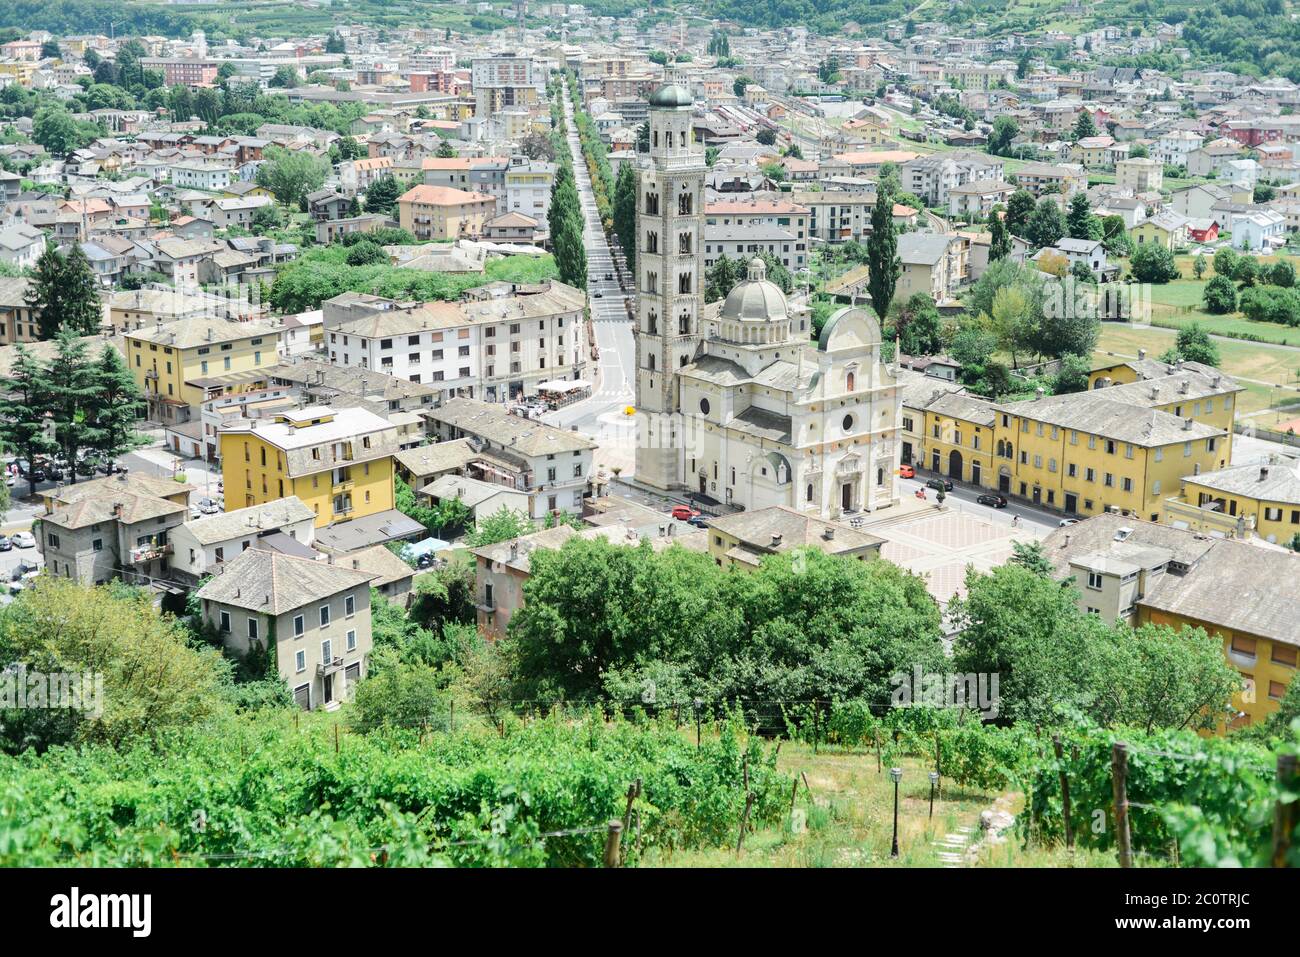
column 228, row 525
column 274, row 584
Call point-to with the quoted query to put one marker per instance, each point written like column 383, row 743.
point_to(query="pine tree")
column 382, row 195
column 82, row 310
column 883, row 264
column 44, row 292
column 114, row 407
column 1080, row 223
column 1084, row 126
column 23, row 405
column 720, row 277
column 69, row 384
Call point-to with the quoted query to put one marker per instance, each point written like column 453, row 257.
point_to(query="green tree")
column 291, row 174
column 766, row 136
column 1020, row 206
column 1282, row 274
column 334, row 44
column 24, row 404
column 54, row 128
column 502, row 525
column 69, row 382
column 738, row 85
column 1225, row 261
column 625, row 212
column 721, row 277
column 1220, row 295
column 446, row 150
column 918, row 327
column 1153, row 263
column 1000, row 239
column 1080, row 223
column 382, row 195
column 64, row 294
column 883, row 265
column 1046, row 227
column 1198, row 267
column 286, row 77
column 1193, row 344
column 400, row 695
column 113, row 407
column 1005, row 130
column 1084, row 126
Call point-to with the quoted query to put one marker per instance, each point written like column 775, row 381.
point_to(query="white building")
column 1260, row 230
column 198, row 546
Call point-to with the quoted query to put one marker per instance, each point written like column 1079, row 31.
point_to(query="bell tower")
column 670, row 281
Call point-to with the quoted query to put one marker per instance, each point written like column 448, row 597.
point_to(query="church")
column 736, row 401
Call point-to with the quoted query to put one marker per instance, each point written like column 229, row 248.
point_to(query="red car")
column 906, row 471
column 684, row 513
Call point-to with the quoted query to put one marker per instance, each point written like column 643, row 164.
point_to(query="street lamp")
column 934, row 781
column 897, row 775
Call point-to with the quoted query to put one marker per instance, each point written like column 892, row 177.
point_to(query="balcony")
column 334, row 665
column 147, row 553
column 343, row 488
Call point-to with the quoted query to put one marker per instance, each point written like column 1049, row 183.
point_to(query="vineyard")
column 300, row 790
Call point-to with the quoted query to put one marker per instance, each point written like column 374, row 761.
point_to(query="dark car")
column 992, row 501
column 940, row 483
column 5, row 544
column 699, row 521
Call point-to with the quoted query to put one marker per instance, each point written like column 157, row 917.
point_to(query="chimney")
column 1184, row 386
column 828, row 533
column 1187, row 425
column 514, row 551
column 1142, row 354
column 1263, row 472
column 776, row 539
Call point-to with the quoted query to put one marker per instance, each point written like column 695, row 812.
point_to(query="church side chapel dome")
column 671, row 95
column 755, row 299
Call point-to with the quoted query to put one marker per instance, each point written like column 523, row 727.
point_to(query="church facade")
column 739, row 403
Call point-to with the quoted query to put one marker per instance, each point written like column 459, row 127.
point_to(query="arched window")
column 668, row 139
column 684, row 282
column 655, row 138
column 652, row 283
column 684, row 324
column 808, row 493
column 684, row 204
column 651, row 241
column 651, row 204
column 653, row 319
column 651, row 363
column 684, row 243
column 851, row 382
column 682, row 362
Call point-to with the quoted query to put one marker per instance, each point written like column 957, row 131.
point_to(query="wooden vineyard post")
column 879, row 763
column 336, row 738
column 744, row 822
column 1285, row 815
column 794, row 793
column 816, row 726
column 612, row 838
column 451, row 720
column 1065, row 793
column 1119, row 784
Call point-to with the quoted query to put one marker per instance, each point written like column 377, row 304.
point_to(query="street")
column 601, row 415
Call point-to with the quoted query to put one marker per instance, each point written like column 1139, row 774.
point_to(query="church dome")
column 670, row 96
column 755, row 299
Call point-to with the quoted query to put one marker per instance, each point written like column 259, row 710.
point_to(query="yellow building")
column 1189, row 390
column 1244, row 499
column 1138, row 572
column 958, row 438
column 339, row 462
column 440, row 212
column 1085, row 454
column 178, row 365
column 1167, row 229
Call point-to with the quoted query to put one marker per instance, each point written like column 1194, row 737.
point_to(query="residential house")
column 201, row 544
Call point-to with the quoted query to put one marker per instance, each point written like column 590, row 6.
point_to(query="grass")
column 848, row 822
column 1268, row 365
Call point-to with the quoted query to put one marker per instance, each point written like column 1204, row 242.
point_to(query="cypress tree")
column 82, row 310
column 1000, row 243
column 883, row 263
column 625, row 212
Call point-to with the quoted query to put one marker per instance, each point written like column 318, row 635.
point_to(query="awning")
column 427, row 546
column 562, row 385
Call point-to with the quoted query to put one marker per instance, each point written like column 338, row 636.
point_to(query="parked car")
column 23, row 568
column 1067, row 522
column 5, row 543
column 208, row 506
column 940, row 483
column 23, row 540
column 698, row 521
column 906, row 471
column 992, row 500
column 684, row 513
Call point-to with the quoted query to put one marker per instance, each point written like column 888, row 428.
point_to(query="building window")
column 350, row 606
column 299, row 626
column 1094, row 581
column 324, row 616
column 326, row 651
column 352, row 641
column 252, row 628
column 300, row 661
column 225, row 622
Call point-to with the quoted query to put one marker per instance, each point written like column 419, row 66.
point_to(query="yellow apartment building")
column 1263, row 499
column 440, row 212
column 339, row 462
column 178, row 365
column 1085, row 454
column 959, row 438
